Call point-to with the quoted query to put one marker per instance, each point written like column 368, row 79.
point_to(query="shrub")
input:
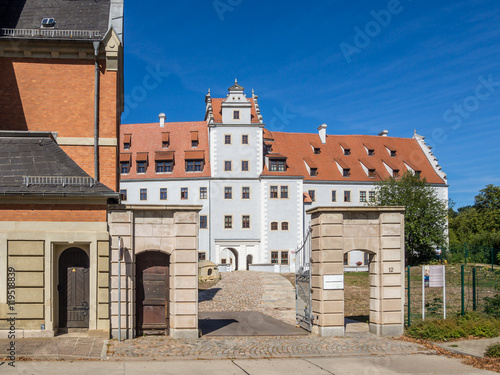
column 455, row 328
column 492, row 306
column 493, row 351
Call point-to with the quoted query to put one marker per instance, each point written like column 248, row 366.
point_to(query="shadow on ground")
column 245, row 323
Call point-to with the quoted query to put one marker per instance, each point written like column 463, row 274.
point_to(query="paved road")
column 366, row 365
column 245, row 323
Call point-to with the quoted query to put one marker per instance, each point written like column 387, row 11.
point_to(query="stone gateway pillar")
column 159, row 269
column 378, row 231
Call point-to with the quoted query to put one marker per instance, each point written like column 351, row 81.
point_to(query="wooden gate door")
column 152, row 292
column 73, row 289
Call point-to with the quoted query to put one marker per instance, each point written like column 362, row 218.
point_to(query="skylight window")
column 48, row 22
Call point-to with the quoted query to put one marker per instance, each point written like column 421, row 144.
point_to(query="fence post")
column 462, row 269
column 474, row 289
column 409, row 298
column 492, row 257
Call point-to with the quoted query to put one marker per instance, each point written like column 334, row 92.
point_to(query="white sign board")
column 436, row 276
column 333, row 282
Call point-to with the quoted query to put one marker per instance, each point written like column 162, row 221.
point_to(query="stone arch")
column 379, row 231
column 249, row 261
column 74, row 289
column 152, row 291
column 235, row 256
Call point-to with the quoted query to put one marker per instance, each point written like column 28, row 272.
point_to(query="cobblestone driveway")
column 259, row 347
column 268, row 293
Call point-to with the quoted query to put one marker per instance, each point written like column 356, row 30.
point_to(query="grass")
column 357, row 296
column 493, row 351
column 456, row 327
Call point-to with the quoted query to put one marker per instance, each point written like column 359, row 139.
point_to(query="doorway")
column 152, row 308
column 73, row 289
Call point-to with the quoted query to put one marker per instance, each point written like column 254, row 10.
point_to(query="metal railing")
column 58, row 180
column 51, row 33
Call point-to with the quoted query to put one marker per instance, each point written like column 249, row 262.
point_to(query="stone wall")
column 378, row 231
column 33, row 249
column 169, row 229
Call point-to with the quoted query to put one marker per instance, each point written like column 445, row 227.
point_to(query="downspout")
column 96, row 112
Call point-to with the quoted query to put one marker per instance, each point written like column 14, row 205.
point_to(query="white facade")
column 252, row 217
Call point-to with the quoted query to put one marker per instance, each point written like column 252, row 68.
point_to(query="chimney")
column 384, row 133
column 162, row 119
column 322, row 133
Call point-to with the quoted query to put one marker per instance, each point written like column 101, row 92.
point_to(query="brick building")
column 60, row 103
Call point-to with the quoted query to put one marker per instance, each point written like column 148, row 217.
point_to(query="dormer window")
column 317, row 150
column 371, row 172
column 165, row 140
column 347, row 151
column 371, row 152
column 393, row 153
column 194, row 139
column 314, row 171
column 142, row 162
column 236, row 115
column 127, row 138
column 395, row 173
column 48, row 22
column 417, row 173
column 346, row 172
column 277, row 165
column 194, row 161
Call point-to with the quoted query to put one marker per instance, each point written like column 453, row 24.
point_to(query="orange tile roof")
column 148, row 138
column 297, row 147
column 216, row 107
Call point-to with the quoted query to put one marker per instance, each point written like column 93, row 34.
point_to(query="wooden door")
column 152, row 292
column 73, row 289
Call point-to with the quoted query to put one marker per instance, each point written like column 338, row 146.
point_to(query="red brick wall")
column 52, row 212
column 58, row 95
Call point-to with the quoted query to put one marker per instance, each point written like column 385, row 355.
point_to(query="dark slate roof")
column 39, row 155
column 68, row 14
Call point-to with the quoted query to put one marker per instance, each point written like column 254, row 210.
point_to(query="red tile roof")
column 147, row 138
column 297, row 148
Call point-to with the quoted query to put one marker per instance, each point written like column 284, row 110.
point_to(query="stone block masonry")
column 378, row 231
column 172, row 230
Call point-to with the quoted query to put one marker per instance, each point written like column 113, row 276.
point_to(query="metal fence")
column 468, row 253
column 466, row 289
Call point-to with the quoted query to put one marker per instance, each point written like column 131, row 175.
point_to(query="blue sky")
column 358, row 66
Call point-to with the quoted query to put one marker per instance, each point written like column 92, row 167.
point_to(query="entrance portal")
column 152, row 272
column 73, row 289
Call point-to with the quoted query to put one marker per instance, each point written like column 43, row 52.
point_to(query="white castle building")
column 255, row 185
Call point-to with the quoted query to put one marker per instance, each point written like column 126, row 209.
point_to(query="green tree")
column 488, row 198
column 478, row 224
column 425, row 215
